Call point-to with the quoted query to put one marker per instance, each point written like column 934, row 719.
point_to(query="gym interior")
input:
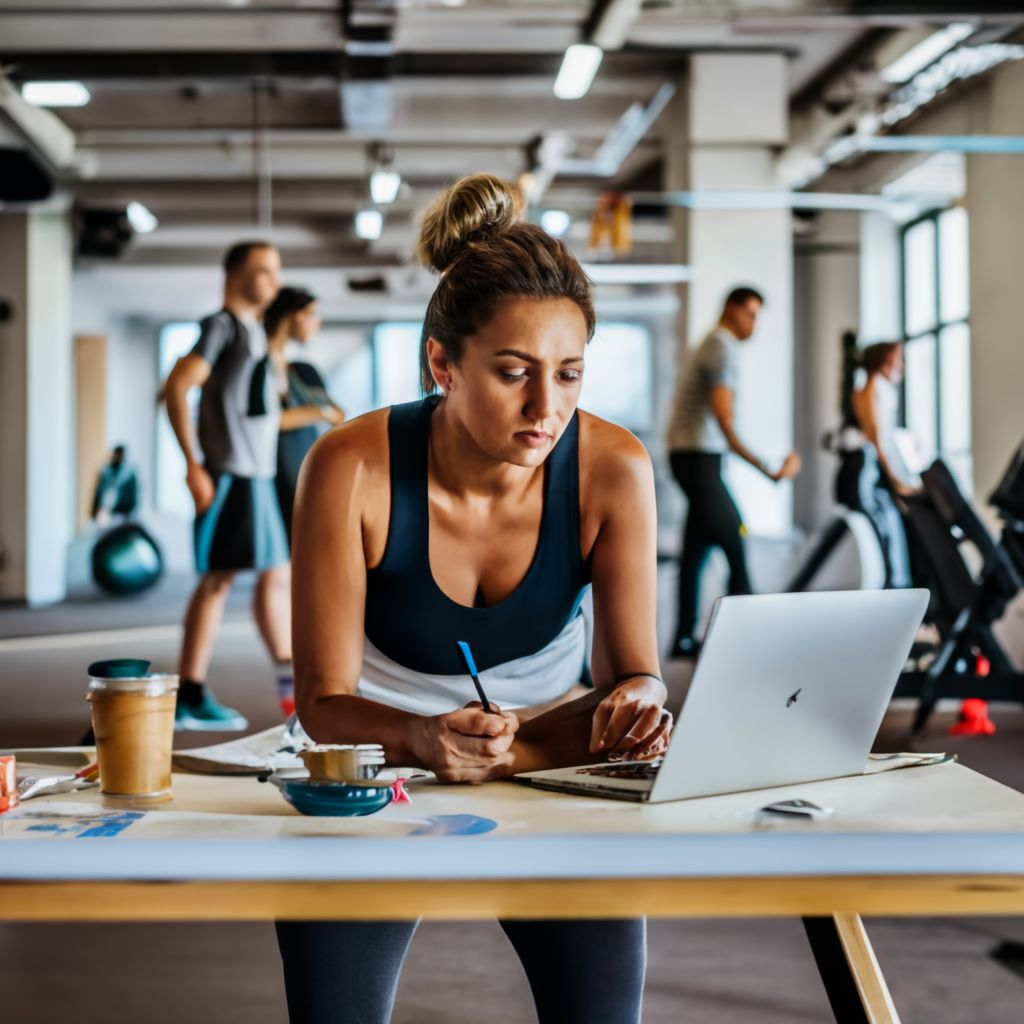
column 854, row 168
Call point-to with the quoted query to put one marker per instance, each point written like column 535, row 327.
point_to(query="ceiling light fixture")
column 384, row 185
column 555, row 222
column 55, row 94
column 926, row 52
column 141, row 219
column 369, row 224
column 579, row 65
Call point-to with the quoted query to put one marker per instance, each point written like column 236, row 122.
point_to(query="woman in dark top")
column 306, row 409
column 482, row 513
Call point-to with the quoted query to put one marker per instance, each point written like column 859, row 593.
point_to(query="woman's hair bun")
column 476, row 208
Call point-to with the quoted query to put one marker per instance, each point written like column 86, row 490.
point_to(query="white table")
column 922, row 841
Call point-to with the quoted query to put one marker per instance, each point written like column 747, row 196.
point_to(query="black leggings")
column 713, row 520
column 861, row 486
column 581, row 972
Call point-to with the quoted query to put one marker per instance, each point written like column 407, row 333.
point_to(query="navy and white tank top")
column 529, row 647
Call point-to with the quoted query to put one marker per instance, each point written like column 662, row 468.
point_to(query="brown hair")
column 237, row 256
column 472, row 235
column 874, row 357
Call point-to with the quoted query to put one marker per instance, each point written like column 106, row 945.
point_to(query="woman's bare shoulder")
column 609, row 454
column 356, row 450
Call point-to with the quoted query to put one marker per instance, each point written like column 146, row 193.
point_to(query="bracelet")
column 637, row 675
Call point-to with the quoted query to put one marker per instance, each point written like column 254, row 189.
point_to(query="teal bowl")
column 333, row 799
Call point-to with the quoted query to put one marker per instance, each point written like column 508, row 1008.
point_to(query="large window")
column 617, row 376
column 938, row 338
column 396, row 363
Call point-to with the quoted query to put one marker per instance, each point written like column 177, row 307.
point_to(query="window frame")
column 938, row 325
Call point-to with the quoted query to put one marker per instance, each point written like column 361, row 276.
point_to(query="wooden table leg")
column 849, row 971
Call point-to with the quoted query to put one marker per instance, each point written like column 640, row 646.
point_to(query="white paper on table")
column 262, row 751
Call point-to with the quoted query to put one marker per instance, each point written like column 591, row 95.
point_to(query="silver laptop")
column 788, row 688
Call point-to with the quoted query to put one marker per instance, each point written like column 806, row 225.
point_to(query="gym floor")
column 713, row 972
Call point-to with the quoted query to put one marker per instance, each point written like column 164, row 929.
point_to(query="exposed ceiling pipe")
column 623, row 138
column 610, row 21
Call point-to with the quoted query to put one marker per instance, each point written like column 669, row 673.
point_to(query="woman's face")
column 893, row 366
column 305, row 323
column 518, row 381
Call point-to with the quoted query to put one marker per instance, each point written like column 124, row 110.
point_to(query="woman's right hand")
column 467, row 745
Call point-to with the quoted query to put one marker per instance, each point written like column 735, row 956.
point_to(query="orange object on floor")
column 973, row 719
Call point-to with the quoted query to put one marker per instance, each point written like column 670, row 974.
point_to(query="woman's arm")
column 864, row 411
column 624, row 715
column 343, row 486
column 536, row 710
column 301, row 416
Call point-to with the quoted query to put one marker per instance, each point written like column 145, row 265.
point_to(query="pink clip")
column 398, row 793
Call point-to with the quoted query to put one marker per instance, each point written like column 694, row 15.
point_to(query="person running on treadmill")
column 701, row 431
column 872, row 471
column 876, row 407
column 238, row 522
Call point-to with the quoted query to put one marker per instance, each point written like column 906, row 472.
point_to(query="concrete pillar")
column 738, row 112
column 36, row 405
column 995, row 208
column 995, row 204
column 826, row 275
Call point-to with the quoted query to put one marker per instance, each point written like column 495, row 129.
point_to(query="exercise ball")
column 126, row 560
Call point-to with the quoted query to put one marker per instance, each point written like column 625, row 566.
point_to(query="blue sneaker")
column 208, row 715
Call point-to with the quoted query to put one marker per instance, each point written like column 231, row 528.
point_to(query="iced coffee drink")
column 133, row 720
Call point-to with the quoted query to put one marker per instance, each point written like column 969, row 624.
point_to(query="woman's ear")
column 440, row 365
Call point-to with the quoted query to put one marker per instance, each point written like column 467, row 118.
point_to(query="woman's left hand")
column 631, row 721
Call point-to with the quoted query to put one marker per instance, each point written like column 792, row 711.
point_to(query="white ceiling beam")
column 226, row 160
column 243, row 30
column 41, row 129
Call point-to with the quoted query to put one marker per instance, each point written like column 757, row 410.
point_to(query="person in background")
column 702, row 430
column 306, row 412
column 876, row 409
column 306, row 409
column 238, row 522
column 117, row 488
column 872, row 471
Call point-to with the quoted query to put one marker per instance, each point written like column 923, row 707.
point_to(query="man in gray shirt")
column 701, row 431
column 238, row 520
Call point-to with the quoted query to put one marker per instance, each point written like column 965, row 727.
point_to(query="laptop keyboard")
column 625, row 770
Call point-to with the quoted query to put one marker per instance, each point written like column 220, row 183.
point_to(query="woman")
column 480, row 514
column 306, row 409
column 872, row 470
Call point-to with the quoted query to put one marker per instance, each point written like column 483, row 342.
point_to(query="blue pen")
column 467, row 657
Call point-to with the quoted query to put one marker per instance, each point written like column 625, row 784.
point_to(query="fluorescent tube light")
column 384, row 186
column 141, row 219
column 369, row 224
column 579, row 65
column 929, row 50
column 55, row 94
column 555, row 222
